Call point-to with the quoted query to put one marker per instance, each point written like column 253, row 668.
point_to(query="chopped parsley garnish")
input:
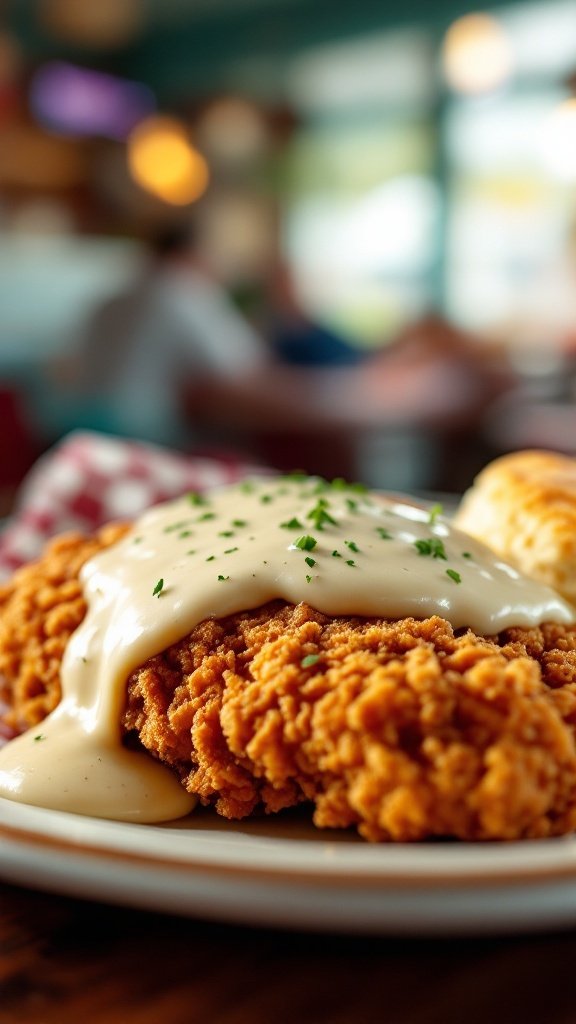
column 226, row 533
column 174, row 526
column 239, row 522
column 319, row 516
column 223, row 578
column 39, row 737
column 305, row 543
column 211, row 558
column 292, row 524
column 454, row 575
column 309, row 659
column 352, row 545
column 432, row 546
column 206, row 516
column 467, row 554
column 434, row 512
column 158, row 588
column 185, row 533
column 350, row 561
column 192, row 551
column 383, row 533
column 229, row 551
column 308, row 579
column 336, row 554
column 339, row 484
column 297, row 475
column 247, row 487
column 265, row 499
column 352, row 505
column 310, row 561
column 196, row 499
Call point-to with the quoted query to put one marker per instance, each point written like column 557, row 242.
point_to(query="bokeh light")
column 163, row 161
column 102, row 25
column 81, row 101
column 560, row 141
column 29, row 158
column 233, row 130
column 476, row 54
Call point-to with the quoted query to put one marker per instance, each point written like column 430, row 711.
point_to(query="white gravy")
column 343, row 551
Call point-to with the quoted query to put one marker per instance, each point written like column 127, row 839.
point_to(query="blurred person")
column 295, row 338
column 449, row 380
column 141, row 349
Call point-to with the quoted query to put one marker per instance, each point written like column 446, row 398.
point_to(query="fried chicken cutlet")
column 405, row 729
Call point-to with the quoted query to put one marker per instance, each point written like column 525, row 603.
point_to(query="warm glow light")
column 476, row 54
column 560, row 141
column 233, row 129
column 31, row 159
column 105, row 24
column 163, row 161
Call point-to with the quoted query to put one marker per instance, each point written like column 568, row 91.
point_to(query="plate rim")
column 455, row 870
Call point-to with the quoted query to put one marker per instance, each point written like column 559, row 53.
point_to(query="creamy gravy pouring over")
column 342, row 551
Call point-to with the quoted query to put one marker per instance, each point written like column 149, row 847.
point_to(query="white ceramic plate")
column 282, row 872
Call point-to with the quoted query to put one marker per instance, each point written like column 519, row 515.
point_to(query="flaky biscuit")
column 523, row 506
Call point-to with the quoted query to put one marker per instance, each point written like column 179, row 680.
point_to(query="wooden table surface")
column 66, row 961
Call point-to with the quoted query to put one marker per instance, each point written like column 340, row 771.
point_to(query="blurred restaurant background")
column 321, row 235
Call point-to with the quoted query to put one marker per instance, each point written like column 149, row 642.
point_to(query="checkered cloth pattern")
column 89, row 479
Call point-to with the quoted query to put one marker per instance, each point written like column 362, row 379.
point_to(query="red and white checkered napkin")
column 89, row 479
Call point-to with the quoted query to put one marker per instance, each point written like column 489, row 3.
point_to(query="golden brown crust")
column 523, row 506
column 40, row 607
column 402, row 729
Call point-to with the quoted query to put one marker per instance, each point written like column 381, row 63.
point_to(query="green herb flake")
column 352, row 505
column 308, row 579
column 319, row 516
column 137, row 540
column 211, row 558
column 310, row 561
column 174, row 526
column 239, row 523
column 192, row 551
column 158, row 588
column 350, row 561
column 434, row 512
column 196, row 499
column 229, row 551
column 454, row 575
column 352, row 545
column 39, row 737
column 298, row 476
column 309, row 660
column 467, row 554
column 247, row 487
column 184, row 534
column 226, row 533
column 305, row 543
column 206, row 516
column 431, row 546
column 265, row 499
column 223, row 579
column 292, row 524
column 336, row 554
column 383, row 533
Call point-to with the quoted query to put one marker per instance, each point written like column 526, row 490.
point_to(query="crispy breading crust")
column 402, row 729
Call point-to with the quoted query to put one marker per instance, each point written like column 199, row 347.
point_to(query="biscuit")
column 523, row 506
